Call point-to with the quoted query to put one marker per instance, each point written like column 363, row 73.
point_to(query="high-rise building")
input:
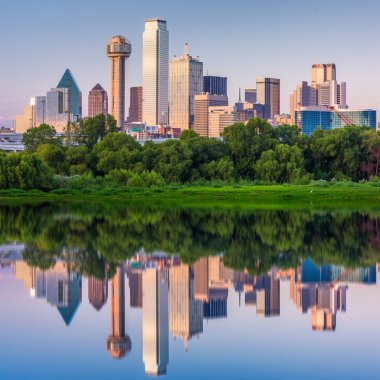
column 155, row 321
column 303, row 96
column 268, row 93
column 310, row 118
column 250, row 95
column 74, row 95
column 185, row 81
column 215, row 85
column 135, row 106
column 24, row 121
column 118, row 344
column 155, row 71
column 97, row 101
column 185, row 313
column 39, row 112
column 322, row 72
column 201, row 104
column 332, row 94
column 220, row 118
column 97, row 292
column 119, row 50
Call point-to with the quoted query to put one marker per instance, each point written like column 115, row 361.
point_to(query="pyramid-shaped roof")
column 68, row 79
column 98, row 87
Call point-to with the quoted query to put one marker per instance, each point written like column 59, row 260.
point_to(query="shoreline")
column 313, row 196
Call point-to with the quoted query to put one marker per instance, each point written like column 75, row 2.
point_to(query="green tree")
column 53, row 156
column 43, row 134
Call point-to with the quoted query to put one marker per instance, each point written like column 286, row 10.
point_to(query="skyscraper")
column 118, row 50
column 250, row 95
column 185, row 81
column 97, row 101
column 303, row 96
column 268, row 93
column 214, row 85
column 135, row 107
column 322, row 72
column 118, row 344
column 155, row 71
column 201, row 110
column 155, row 321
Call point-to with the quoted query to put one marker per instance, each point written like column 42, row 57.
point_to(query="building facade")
column 220, row 118
column 303, row 96
column 310, row 118
column 119, row 49
column 250, row 95
column 135, row 107
column 185, row 81
column 201, row 104
column 268, row 93
column 215, row 85
column 97, row 101
column 155, row 71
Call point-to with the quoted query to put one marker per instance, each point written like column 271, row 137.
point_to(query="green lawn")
column 325, row 195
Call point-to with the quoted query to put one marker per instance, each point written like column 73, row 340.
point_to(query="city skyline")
column 38, row 75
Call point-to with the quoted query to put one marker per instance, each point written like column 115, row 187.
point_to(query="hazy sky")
column 240, row 39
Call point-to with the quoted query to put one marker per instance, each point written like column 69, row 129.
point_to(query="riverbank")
column 316, row 195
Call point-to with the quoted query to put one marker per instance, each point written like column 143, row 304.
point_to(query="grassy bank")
column 316, row 195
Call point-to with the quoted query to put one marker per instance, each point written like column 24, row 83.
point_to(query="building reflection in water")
column 177, row 297
column 185, row 312
column 118, row 344
column 97, row 292
column 155, row 323
column 60, row 287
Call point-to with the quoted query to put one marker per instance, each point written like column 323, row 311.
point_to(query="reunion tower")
column 118, row 50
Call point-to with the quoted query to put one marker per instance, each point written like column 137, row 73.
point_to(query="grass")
column 345, row 195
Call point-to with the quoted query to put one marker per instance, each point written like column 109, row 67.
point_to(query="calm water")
column 104, row 291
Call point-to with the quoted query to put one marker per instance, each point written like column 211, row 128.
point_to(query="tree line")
column 94, row 149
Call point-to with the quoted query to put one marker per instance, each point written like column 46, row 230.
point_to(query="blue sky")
column 241, row 39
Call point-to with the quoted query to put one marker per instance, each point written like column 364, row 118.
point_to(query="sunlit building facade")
column 268, row 94
column 185, row 81
column 202, row 103
column 97, row 101
column 220, row 118
column 155, row 71
column 135, row 105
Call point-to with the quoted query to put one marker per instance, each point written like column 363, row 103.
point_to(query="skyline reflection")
column 176, row 298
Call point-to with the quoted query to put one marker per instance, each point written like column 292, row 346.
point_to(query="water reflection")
column 178, row 293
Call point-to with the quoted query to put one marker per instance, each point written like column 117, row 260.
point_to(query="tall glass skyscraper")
column 186, row 81
column 215, row 85
column 155, row 71
column 268, row 93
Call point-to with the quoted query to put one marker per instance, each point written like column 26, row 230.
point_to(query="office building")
column 97, row 101
column 303, row 96
column 220, row 118
column 185, row 81
column 268, row 94
column 322, row 73
column 185, row 312
column 24, row 121
column 155, row 72
column 97, row 292
column 250, row 95
column 215, row 85
column 155, row 321
column 310, row 118
column 118, row 344
column 201, row 113
column 119, row 50
column 135, row 105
